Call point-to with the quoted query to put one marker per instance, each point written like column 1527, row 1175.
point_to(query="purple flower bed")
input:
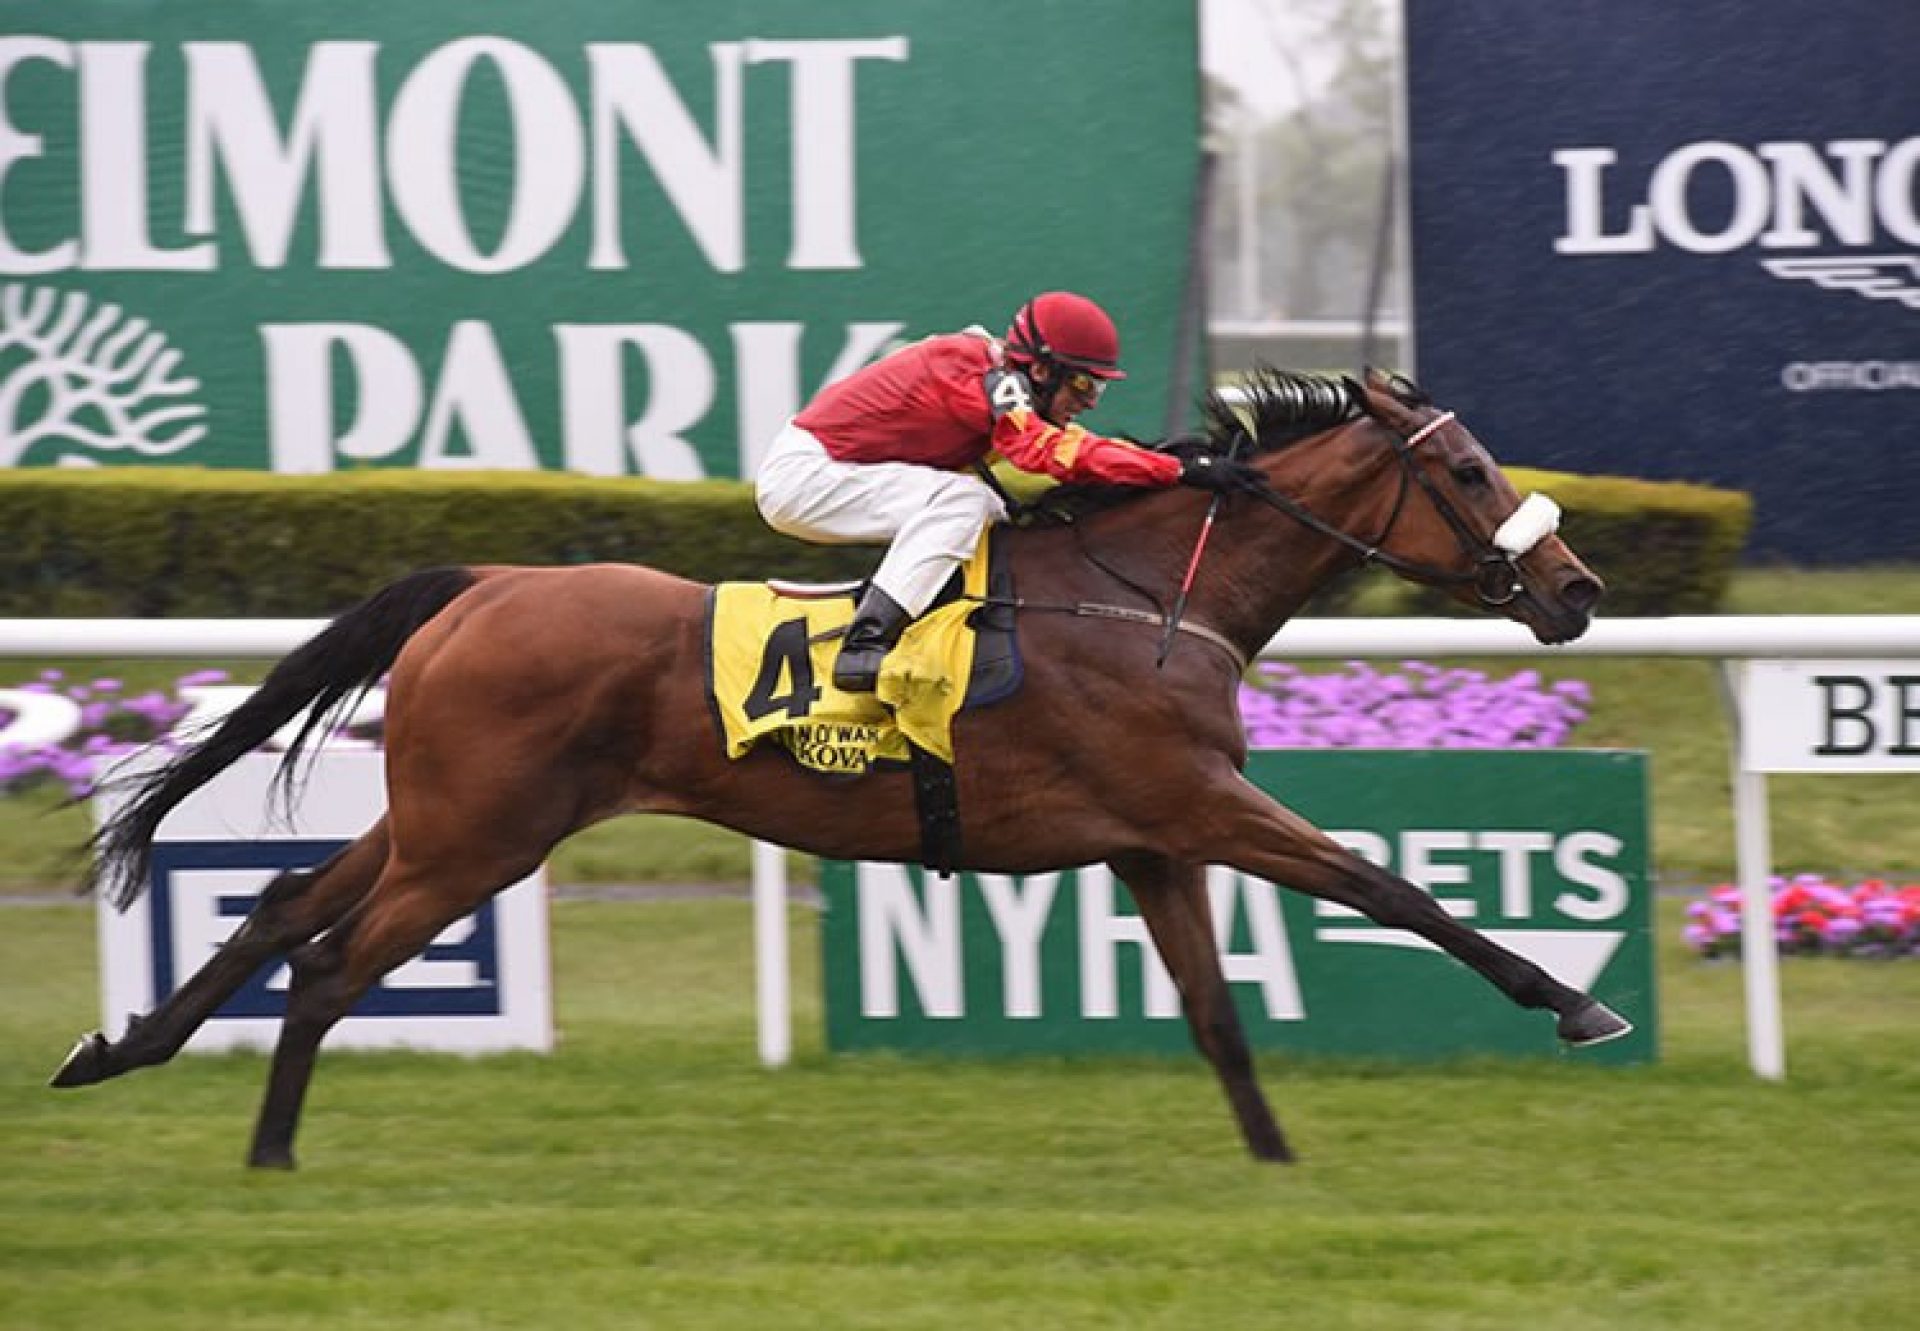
column 113, row 723
column 1814, row 917
column 1418, row 706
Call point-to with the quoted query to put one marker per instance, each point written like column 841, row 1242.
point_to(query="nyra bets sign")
column 1544, row 852
column 609, row 236
column 1680, row 241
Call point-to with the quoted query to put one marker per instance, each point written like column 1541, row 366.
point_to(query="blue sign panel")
column 1680, row 242
column 202, row 890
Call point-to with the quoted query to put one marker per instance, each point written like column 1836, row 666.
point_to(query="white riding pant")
column 933, row 518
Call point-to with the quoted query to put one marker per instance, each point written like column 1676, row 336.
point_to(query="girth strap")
column 936, row 798
column 1095, row 610
column 1127, row 614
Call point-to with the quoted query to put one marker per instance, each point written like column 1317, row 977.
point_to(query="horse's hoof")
column 282, row 1160
column 1593, row 1022
column 90, row 1061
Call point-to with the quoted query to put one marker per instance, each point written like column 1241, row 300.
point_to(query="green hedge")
column 184, row 542
column 1662, row 547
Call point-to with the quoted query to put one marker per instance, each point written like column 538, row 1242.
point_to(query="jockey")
column 885, row 454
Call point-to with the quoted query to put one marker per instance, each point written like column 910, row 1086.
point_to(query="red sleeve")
column 1070, row 453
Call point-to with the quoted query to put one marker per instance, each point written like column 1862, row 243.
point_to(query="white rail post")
column 770, row 952
column 1753, row 851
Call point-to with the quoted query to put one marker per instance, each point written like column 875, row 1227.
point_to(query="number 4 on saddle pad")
column 770, row 676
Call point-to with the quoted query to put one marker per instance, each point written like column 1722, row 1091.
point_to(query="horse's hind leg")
column 1172, row 897
column 295, row 906
column 404, row 913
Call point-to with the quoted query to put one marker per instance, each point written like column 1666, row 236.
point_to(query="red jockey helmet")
column 1066, row 329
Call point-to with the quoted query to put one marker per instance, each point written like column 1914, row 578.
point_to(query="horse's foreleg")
column 1261, row 837
column 1172, row 897
column 295, row 906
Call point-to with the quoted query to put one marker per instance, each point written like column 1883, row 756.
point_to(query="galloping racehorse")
column 528, row 703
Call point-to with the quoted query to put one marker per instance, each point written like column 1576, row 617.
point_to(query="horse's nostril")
column 1581, row 594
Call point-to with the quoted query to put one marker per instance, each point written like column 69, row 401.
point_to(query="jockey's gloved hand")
column 1220, row 475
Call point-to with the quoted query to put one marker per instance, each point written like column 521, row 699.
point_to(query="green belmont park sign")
column 607, row 236
column 1544, row 851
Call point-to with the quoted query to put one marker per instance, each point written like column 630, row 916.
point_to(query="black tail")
column 319, row 678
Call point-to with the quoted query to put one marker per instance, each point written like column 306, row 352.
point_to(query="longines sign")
column 309, row 238
column 1681, row 242
column 1783, row 196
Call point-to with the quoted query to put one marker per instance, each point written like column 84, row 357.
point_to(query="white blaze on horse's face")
column 1531, row 523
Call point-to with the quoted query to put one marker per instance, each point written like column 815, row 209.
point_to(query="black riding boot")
column 877, row 623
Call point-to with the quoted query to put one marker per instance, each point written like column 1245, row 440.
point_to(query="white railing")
column 1704, row 636
column 1728, row 639
column 186, row 639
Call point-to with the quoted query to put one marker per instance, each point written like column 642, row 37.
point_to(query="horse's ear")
column 1356, row 394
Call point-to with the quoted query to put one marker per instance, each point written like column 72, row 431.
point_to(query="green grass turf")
column 649, row 1174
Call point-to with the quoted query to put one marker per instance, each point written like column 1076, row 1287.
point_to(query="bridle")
column 1495, row 576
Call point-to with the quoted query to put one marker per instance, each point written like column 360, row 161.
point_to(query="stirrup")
column 857, row 669
column 877, row 624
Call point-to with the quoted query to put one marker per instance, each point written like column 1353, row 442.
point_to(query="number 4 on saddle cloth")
column 770, row 650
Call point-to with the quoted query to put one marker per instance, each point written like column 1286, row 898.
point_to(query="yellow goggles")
column 1086, row 385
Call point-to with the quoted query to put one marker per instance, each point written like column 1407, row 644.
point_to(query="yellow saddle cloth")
column 771, row 677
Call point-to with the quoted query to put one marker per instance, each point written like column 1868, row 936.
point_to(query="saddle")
column 770, row 650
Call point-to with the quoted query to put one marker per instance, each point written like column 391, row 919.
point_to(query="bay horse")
column 528, row 703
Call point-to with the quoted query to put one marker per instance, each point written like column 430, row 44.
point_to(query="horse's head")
column 1409, row 488
column 1457, row 522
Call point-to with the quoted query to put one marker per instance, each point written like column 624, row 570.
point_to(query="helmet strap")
column 1047, row 389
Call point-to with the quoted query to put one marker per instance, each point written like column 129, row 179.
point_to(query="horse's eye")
column 1471, row 475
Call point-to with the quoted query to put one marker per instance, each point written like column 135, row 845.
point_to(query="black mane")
column 1281, row 406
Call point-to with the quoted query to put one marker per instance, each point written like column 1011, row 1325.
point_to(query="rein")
column 1495, row 577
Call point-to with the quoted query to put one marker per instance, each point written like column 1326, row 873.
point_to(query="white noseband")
column 1531, row 523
